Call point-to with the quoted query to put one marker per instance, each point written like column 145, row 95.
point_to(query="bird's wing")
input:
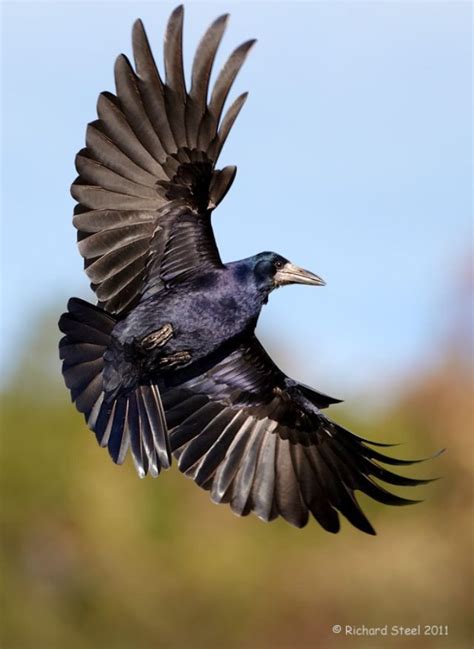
column 259, row 441
column 147, row 180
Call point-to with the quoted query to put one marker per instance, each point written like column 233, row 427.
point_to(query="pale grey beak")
column 291, row 274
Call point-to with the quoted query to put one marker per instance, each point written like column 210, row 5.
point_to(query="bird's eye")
column 279, row 264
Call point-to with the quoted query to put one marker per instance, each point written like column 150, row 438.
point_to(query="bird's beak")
column 291, row 274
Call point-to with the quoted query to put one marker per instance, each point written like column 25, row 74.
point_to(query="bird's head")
column 272, row 271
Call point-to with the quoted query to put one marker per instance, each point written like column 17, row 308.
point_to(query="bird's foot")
column 178, row 358
column 157, row 338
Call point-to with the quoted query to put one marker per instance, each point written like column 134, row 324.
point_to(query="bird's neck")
column 245, row 284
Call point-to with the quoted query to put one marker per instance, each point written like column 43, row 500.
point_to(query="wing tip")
column 223, row 19
column 249, row 44
column 121, row 60
column 176, row 16
column 138, row 25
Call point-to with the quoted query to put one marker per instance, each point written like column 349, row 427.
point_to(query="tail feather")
column 135, row 420
column 142, row 448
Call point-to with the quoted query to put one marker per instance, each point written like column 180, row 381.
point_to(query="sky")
column 354, row 156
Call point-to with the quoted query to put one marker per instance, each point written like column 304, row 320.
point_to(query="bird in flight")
column 168, row 363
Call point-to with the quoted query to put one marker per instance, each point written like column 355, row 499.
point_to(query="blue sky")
column 353, row 154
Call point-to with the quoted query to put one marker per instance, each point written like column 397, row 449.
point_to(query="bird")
column 167, row 364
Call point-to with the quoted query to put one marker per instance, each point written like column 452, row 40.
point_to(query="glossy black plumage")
column 168, row 362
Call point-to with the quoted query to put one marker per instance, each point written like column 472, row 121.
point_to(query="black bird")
column 168, row 362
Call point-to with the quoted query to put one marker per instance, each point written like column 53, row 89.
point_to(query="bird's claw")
column 157, row 338
column 178, row 358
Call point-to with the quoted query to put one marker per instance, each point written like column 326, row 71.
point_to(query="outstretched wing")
column 147, row 180
column 259, row 441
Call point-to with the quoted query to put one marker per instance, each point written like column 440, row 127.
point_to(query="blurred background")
column 355, row 160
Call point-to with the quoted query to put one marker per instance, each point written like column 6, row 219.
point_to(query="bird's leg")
column 178, row 358
column 157, row 338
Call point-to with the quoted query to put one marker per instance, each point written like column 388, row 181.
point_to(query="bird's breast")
column 201, row 320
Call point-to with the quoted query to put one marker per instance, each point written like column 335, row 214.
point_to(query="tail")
column 134, row 420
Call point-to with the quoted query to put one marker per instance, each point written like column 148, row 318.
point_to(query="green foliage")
column 95, row 558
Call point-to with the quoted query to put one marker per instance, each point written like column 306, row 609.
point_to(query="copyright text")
column 393, row 630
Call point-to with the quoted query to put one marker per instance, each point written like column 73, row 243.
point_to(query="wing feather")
column 116, row 260
column 256, row 440
column 244, row 478
column 227, row 123
column 150, row 161
column 228, row 468
column 105, row 241
column 264, row 484
column 131, row 103
column 94, row 172
column 201, row 72
column 175, row 89
column 151, row 87
column 117, row 127
column 216, row 453
column 101, row 148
